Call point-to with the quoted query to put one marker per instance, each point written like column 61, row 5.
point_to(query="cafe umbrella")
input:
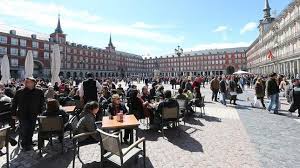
column 5, row 70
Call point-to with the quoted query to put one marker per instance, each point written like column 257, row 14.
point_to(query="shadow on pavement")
column 184, row 141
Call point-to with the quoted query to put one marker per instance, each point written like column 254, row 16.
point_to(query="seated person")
column 152, row 91
column 160, row 92
column 54, row 110
column 50, row 93
column 197, row 97
column 167, row 102
column 116, row 107
column 105, row 98
column 197, row 93
column 120, row 91
column 188, row 94
column 135, row 105
column 145, row 94
column 87, row 123
column 180, row 95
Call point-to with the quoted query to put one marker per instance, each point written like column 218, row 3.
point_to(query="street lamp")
column 179, row 52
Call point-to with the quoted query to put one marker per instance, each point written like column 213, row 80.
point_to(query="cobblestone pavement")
column 225, row 137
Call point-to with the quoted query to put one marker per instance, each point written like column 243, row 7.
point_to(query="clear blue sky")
column 147, row 27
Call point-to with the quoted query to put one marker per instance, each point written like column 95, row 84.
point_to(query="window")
column 3, row 39
column 13, row 51
column 14, row 62
column 14, row 41
column 46, row 55
column 23, row 43
column 46, row 46
column 3, row 50
column 35, row 44
column 68, row 49
column 35, row 54
column 22, row 52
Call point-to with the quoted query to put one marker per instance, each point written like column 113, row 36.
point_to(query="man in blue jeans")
column 223, row 87
column 273, row 92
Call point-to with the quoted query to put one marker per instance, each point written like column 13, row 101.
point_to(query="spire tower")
column 267, row 10
column 58, row 27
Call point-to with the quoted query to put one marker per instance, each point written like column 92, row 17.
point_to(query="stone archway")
column 230, row 70
column 81, row 74
column 68, row 75
column 74, row 74
column 38, row 68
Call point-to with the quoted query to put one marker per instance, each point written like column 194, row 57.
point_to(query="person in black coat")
column 27, row 104
column 223, row 87
column 296, row 97
column 273, row 93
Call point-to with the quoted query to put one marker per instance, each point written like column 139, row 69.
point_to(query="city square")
column 65, row 103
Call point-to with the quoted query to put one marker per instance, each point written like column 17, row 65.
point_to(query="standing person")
column 296, row 97
column 27, row 104
column 88, row 90
column 188, row 85
column 260, row 91
column 273, row 92
column 214, row 87
column 232, row 90
column 223, row 86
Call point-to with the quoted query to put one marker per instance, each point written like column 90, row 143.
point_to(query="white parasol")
column 5, row 70
column 241, row 73
column 29, row 64
column 55, row 64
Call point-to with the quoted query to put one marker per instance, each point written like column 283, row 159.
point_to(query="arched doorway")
column 38, row 69
column 81, row 74
column 68, row 74
column 230, row 70
column 74, row 74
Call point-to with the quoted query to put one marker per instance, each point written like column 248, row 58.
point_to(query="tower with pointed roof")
column 58, row 36
column 110, row 47
column 267, row 20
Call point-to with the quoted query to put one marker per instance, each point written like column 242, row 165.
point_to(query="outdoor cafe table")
column 68, row 109
column 129, row 122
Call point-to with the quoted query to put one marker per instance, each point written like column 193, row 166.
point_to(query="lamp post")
column 179, row 52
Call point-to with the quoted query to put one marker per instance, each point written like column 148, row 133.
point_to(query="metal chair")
column 77, row 145
column 73, row 123
column 169, row 115
column 112, row 151
column 183, row 108
column 48, row 127
column 200, row 103
column 4, row 136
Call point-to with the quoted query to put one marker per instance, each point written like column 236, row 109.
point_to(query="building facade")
column 77, row 59
column 277, row 48
column 205, row 62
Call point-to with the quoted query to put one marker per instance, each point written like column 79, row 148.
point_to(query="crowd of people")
column 97, row 98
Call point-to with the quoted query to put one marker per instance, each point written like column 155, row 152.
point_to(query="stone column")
column 291, row 68
column 284, row 68
column 298, row 66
